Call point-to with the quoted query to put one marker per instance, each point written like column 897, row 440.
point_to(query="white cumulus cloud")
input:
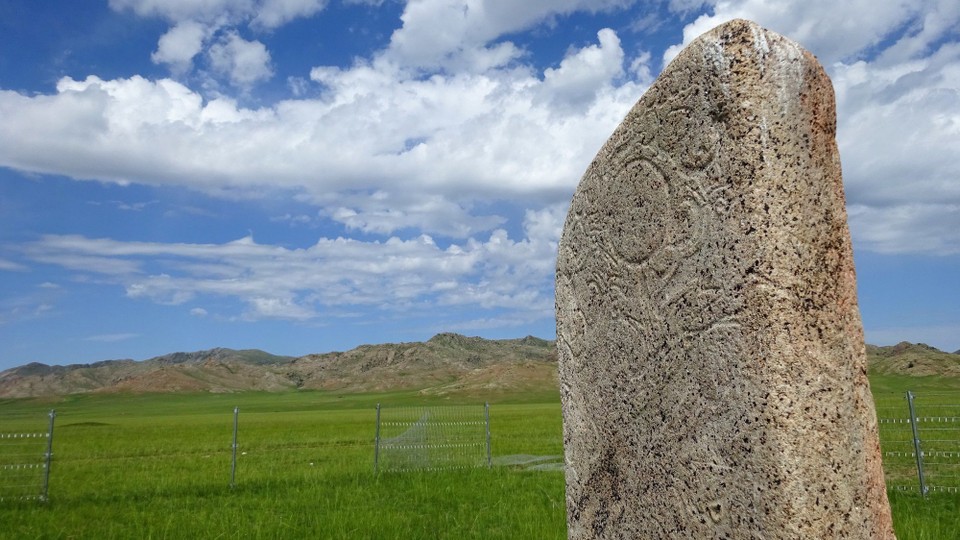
column 267, row 14
column 586, row 71
column 462, row 33
column 179, row 45
column 428, row 147
column 194, row 23
column 244, row 62
column 275, row 13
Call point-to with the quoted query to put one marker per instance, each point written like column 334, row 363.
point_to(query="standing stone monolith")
column 712, row 364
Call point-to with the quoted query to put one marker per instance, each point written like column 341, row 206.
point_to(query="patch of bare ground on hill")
column 445, row 364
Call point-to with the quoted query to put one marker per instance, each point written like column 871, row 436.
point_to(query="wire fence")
column 25, row 463
column 432, row 438
column 919, row 436
column 920, row 441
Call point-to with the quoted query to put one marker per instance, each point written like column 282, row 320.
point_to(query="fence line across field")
column 920, row 440
column 25, row 463
column 919, row 436
column 432, row 438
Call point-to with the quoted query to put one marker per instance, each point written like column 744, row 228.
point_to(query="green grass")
column 158, row 466
column 936, row 516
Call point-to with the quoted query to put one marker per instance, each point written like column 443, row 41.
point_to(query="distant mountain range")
column 445, row 364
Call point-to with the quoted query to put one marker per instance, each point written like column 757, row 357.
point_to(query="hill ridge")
column 914, row 359
column 445, row 363
column 441, row 361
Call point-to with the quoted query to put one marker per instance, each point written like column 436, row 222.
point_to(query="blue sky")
column 310, row 175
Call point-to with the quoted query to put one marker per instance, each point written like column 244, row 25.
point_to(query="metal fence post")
column 376, row 447
column 233, row 466
column 916, row 444
column 486, row 415
column 48, row 457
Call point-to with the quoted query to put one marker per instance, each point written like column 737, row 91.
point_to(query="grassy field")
column 158, row 466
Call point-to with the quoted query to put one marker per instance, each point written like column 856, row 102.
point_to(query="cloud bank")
column 424, row 138
column 301, row 284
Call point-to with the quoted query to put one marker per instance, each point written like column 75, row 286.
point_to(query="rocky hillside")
column 215, row 370
column 913, row 359
column 446, row 363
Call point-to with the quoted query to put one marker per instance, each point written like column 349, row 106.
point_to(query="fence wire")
column 937, row 422
column 432, row 438
column 24, row 464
